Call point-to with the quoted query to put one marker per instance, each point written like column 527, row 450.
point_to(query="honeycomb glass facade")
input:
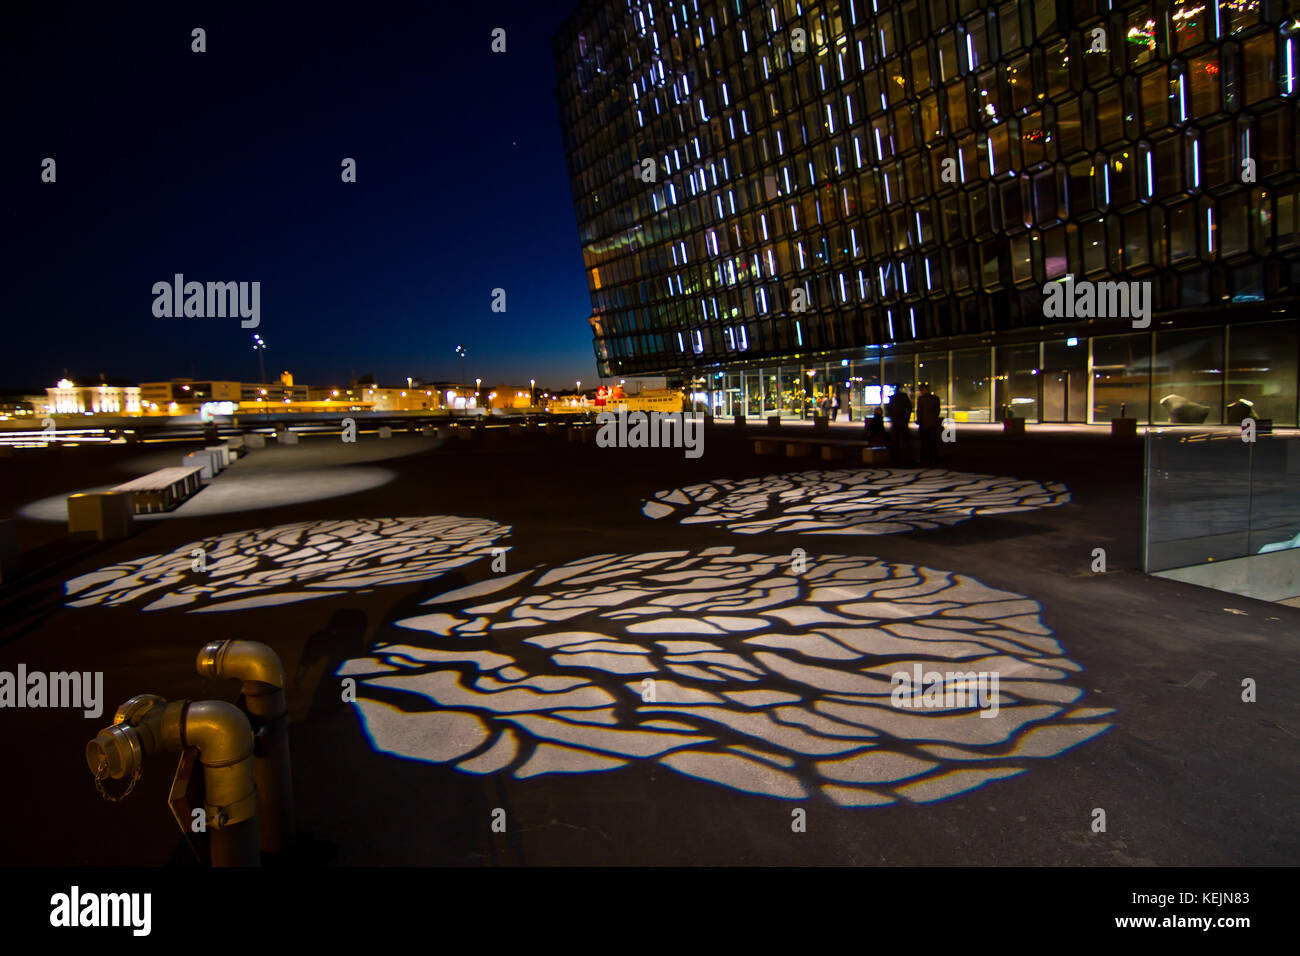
column 780, row 201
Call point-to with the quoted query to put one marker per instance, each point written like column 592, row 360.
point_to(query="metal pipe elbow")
column 219, row 730
column 241, row 660
column 224, row 739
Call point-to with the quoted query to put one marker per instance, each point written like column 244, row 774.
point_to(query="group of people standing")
column 929, row 418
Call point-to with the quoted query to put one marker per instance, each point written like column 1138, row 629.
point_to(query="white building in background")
column 69, row 398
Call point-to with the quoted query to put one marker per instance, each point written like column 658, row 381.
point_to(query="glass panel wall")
column 793, row 395
column 1262, row 372
column 818, row 391
column 734, row 400
column 771, row 392
column 1121, row 366
column 865, row 392
column 1065, row 381
column 932, row 370
column 971, row 381
column 1017, row 382
column 900, row 372
column 754, row 394
column 1187, row 377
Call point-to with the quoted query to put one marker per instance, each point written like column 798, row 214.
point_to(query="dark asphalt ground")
column 1188, row 774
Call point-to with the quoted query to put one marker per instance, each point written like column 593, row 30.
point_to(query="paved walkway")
column 757, row 598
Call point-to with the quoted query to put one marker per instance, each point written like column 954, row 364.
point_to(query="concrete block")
column 773, row 421
column 220, row 456
column 1123, row 427
column 201, row 459
column 1013, row 426
column 516, row 429
column 385, row 431
column 797, row 449
column 875, row 456
column 821, row 424
column 286, row 437
column 832, row 452
column 108, row 514
column 252, row 442
column 738, row 421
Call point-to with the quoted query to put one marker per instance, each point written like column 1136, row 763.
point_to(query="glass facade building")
column 779, row 201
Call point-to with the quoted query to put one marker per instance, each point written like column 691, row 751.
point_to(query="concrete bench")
column 828, row 449
column 107, row 514
column 162, row 490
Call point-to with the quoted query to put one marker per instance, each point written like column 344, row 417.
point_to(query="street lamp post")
column 259, row 346
column 460, row 351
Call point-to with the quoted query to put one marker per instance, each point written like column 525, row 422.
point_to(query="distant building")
column 106, row 397
column 23, row 402
column 509, row 396
column 185, row 396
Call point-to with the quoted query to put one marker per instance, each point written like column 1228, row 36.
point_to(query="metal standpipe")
column 262, row 674
column 223, row 737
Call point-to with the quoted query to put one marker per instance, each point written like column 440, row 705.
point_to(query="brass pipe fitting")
column 223, row 737
column 258, row 668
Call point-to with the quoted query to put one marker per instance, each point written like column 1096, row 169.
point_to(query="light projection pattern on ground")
column 764, row 681
column 852, row 501
column 291, row 562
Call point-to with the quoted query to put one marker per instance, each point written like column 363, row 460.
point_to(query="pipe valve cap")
column 115, row 752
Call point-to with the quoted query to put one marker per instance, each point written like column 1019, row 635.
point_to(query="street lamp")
column 532, row 392
column 259, row 346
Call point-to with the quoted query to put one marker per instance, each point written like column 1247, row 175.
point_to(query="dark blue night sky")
column 225, row 166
